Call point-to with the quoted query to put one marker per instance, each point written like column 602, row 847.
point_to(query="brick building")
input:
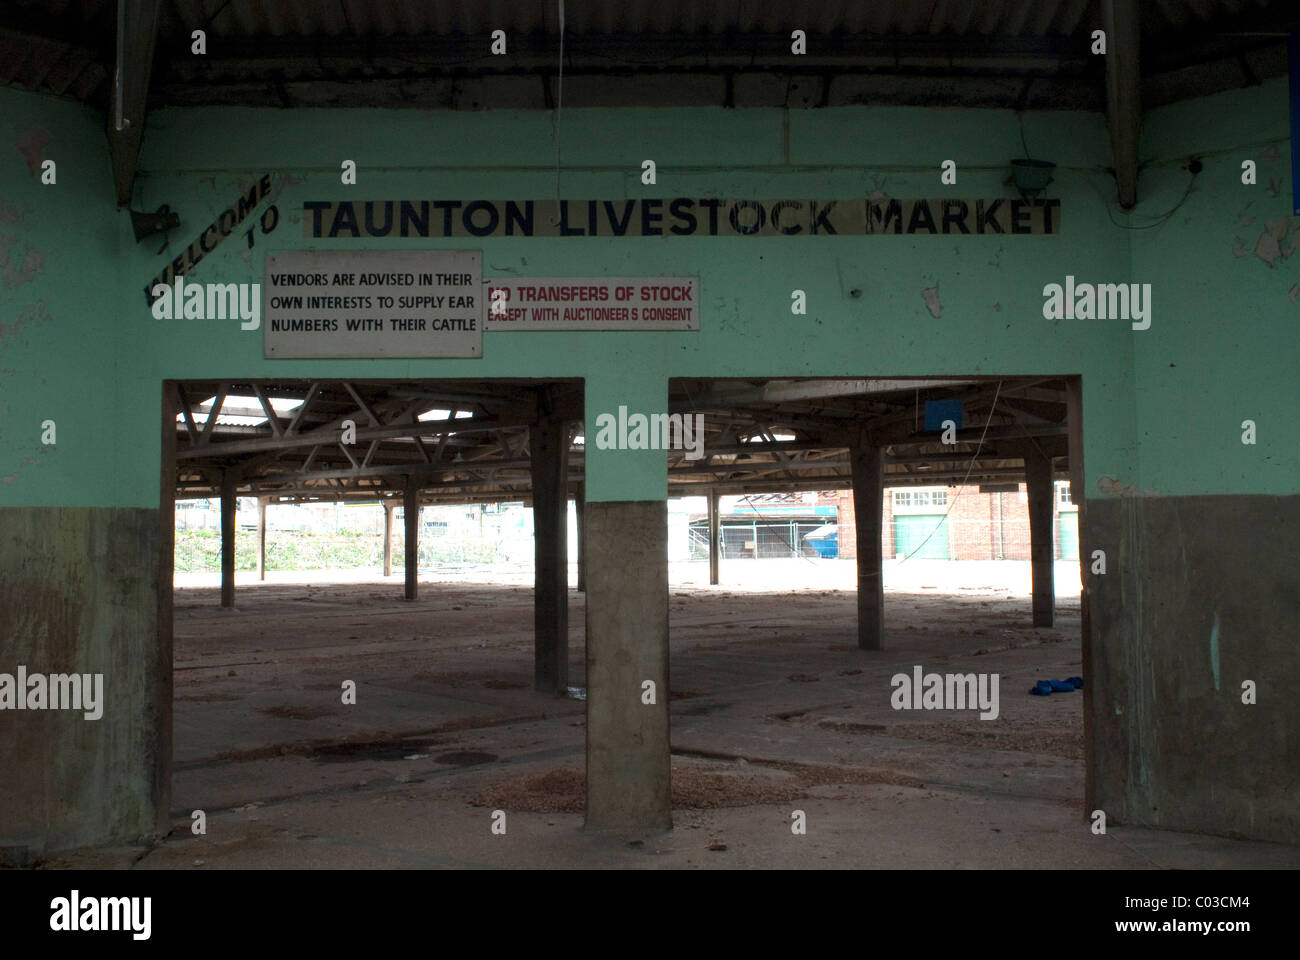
column 959, row 523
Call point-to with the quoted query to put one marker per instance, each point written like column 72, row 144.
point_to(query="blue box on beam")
column 937, row 411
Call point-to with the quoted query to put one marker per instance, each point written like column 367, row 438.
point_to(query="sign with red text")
column 592, row 303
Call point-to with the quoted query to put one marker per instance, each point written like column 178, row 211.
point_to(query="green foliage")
column 200, row 551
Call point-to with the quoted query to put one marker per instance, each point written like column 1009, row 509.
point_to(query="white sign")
column 374, row 303
column 593, row 303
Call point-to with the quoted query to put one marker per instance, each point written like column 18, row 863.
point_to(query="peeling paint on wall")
column 931, row 297
column 25, row 462
column 1269, row 246
column 33, row 263
column 36, row 315
column 1115, row 488
column 12, row 213
column 31, row 143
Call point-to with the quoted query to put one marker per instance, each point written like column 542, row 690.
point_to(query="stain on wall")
column 71, row 601
column 1175, row 746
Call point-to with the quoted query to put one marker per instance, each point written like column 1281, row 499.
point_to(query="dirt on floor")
column 773, row 710
column 557, row 791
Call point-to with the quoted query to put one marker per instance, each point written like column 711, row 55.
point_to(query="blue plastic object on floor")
column 1041, row 689
column 1077, row 681
column 1062, row 686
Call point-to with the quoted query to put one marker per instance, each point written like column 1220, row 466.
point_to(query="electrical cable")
column 969, row 467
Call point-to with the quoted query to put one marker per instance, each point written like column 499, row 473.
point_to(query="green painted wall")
column 1162, row 407
column 80, row 346
column 1225, row 342
column 61, row 314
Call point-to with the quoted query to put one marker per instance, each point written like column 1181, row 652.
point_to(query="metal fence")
column 921, row 536
column 761, row 539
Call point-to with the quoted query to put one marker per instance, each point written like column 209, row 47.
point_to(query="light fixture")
column 147, row 224
column 1031, row 176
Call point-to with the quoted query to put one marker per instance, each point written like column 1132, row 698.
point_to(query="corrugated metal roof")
column 257, row 46
column 386, row 18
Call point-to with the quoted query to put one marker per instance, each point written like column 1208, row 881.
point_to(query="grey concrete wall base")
column 1201, row 594
column 628, row 763
column 79, row 593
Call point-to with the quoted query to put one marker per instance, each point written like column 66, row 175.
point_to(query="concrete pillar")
column 548, row 445
column 388, row 537
column 579, row 503
column 148, row 754
column 1078, row 495
column 411, row 517
column 1038, row 477
column 868, row 462
column 628, row 764
column 715, row 538
column 261, row 538
column 228, row 504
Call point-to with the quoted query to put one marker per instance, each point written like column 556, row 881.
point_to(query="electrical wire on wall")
column 1158, row 219
column 960, row 487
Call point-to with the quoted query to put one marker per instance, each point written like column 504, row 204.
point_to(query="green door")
column 910, row 531
column 1068, row 538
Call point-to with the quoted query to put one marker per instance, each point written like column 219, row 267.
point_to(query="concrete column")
column 548, row 445
column 149, row 749
column 388, row 537
column 1038, row 476
column 261, row 538
column 1078, row 495
column 868, row 462
column 579, row 504
column 715, row 538
column 411, row 512
column 628, row 767
column 228, row 504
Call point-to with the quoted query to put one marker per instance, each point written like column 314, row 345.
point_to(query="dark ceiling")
column 473, row 443
column 1030, row 54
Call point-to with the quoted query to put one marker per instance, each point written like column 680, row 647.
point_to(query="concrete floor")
column 773, row 710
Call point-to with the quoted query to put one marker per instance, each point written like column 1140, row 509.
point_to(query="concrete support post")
column 261, row 538
column 868, row 464
column 579, row 505
column 1123, row 25
column 151, row 765
column 411, row 518
column 228, row 505
column 1038, row 477
column 628, row 764
column 715, row 538
column 388, row 537
column 1078, row 495
column 548, row 443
